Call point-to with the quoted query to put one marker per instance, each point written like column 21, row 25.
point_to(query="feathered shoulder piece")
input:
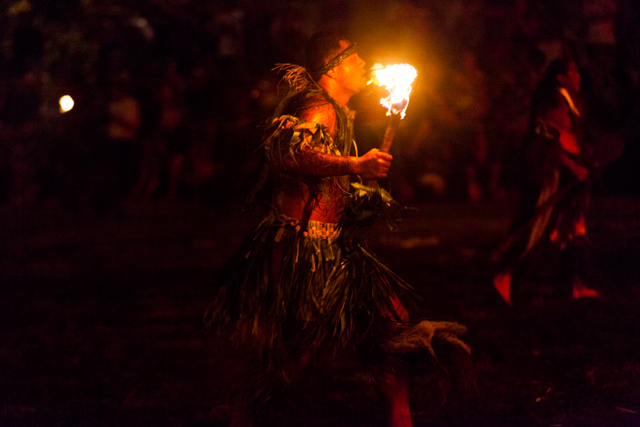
column 295, row 77
column 303, row 93
column 287, row 135
column 284, row 137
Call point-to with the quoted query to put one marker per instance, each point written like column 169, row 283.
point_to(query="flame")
column 397, row 81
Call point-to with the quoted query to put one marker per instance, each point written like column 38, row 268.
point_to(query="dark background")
column 102, row 291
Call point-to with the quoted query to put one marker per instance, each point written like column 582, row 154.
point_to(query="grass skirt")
column 331, row 296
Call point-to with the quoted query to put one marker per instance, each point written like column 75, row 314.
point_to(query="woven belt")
column 323, row 230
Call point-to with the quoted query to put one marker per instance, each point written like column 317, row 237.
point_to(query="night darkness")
column 119, row 213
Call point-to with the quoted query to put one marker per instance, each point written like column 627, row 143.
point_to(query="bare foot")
column 582, row 291
column 502, row 283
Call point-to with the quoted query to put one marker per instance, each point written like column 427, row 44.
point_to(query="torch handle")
column 390, row 133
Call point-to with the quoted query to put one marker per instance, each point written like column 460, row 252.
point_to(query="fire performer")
column 304, row 284
column 557, row 167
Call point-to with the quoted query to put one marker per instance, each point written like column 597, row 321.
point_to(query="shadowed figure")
column 557, row 165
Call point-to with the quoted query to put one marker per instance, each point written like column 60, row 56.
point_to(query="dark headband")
column 335, row 61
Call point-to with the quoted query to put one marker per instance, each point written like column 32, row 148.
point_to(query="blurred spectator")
column 259, row 49
column 468, row 100
column 513, row 81
column 121, row 152
column 173, row 130
column 20, row 115
column 290, row 29
column 208, row 106
column 166, row 146
column 20, row 105
column 228, row 28
column 549, row 226
column 225, row 51
column 600, row 16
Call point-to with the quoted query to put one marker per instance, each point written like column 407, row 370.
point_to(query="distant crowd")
column 174, row 101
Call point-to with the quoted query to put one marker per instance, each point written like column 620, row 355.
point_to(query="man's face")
column 350, row 73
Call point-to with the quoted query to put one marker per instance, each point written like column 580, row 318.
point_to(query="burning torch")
column 397, row 81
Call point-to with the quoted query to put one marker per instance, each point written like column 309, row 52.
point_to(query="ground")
column 101, row 322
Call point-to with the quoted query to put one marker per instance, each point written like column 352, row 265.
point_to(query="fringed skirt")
column 288, row 294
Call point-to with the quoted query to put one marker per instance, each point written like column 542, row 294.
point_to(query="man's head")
column 334, row 63
column 571, row 79
column 563, row 73
column 321, row 47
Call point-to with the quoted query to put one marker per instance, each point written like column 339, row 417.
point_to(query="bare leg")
column 575, row 264
column 394, row 391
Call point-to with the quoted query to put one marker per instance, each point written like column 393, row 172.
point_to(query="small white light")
column 66, row 103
